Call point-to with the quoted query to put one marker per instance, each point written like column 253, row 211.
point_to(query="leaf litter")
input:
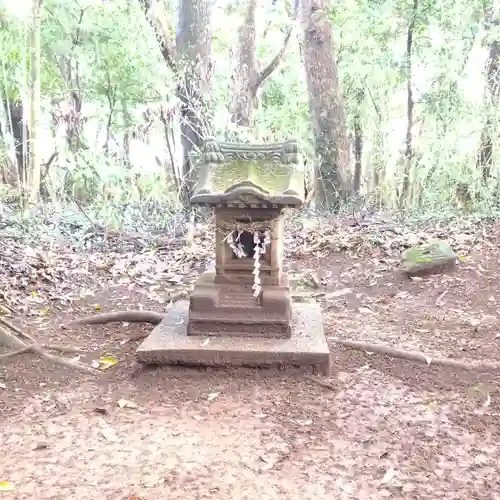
column 357, row 423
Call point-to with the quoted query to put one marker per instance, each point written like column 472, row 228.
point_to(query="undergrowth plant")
column 110, row 139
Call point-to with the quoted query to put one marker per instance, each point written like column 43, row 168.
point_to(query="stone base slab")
column 169, row 344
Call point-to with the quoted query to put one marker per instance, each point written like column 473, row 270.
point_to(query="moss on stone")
column 427, row 256
column 272, row 178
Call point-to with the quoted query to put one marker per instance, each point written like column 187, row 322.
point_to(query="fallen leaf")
column 176, row 279
column 124, row 403
column 266, row 459
column 315, row 280
column 347, row 488
column 304, row 422
column 6, row 486
column 365, row 310
column 106, row 362
column 269, row 461
column 338, row 293
column 205, row 342
column 109, row 434
column 388, row 476
column 101, row 411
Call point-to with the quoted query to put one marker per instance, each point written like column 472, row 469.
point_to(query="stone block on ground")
column 169, row 344
column 430, row 258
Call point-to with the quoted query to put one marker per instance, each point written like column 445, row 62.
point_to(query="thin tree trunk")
column 247, row 78
column 358, row 142
column 492, row 98
column 21, row 135
column 377, row 162
column 193, row 42
column 35, row 162
column 190, row 60
column 69, row 110
column 8, row 171
column 408, row 155
column 127, row 122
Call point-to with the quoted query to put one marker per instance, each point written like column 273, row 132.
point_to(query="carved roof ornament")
column 253, row 174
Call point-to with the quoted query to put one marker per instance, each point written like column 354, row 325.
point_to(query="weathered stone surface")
column 170, row 344
column 242, row 314
column 229, row 308
column 250, row 175
column 431, row 258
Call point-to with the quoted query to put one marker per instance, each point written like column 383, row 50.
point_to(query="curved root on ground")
column 156, row 318
column 151, row 317
column 419, row 356
column 11, row 336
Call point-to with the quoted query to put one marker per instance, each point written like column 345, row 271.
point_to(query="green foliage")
column 107, row 53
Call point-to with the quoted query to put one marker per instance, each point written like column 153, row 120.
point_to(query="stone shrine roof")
column 250, row 173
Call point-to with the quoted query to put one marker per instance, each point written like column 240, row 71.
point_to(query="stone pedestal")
column 230, row 309
column 242, row 313
column 169, row 344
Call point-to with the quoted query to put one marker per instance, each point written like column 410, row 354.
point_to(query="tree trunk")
column 194, row 45
column 326, row 105
column 245, row 74
column 34, row 161
column 20, row 133
column 408, row 157
column 492, row 98
column 69, row 109
column 358, row 141
column 8, row 171
column 376, row 160
column 127, row 122
column 190, row 60
column 247, row 78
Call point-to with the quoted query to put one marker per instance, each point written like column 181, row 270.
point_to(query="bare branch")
column 266, row 72
column 167, row 48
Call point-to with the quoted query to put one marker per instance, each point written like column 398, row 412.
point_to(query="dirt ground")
column 379, row 427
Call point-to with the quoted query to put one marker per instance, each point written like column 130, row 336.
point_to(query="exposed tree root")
column 155, row 318
column 420, row 357
column 319, row 382
column 151, row 317
column 15, row 353
column 10, row 336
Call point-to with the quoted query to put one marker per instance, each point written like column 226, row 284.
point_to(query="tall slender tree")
column 492, row 94
column 248, row 77
column 34, row 161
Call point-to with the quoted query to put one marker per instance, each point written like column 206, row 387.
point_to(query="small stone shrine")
column 242, row 313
